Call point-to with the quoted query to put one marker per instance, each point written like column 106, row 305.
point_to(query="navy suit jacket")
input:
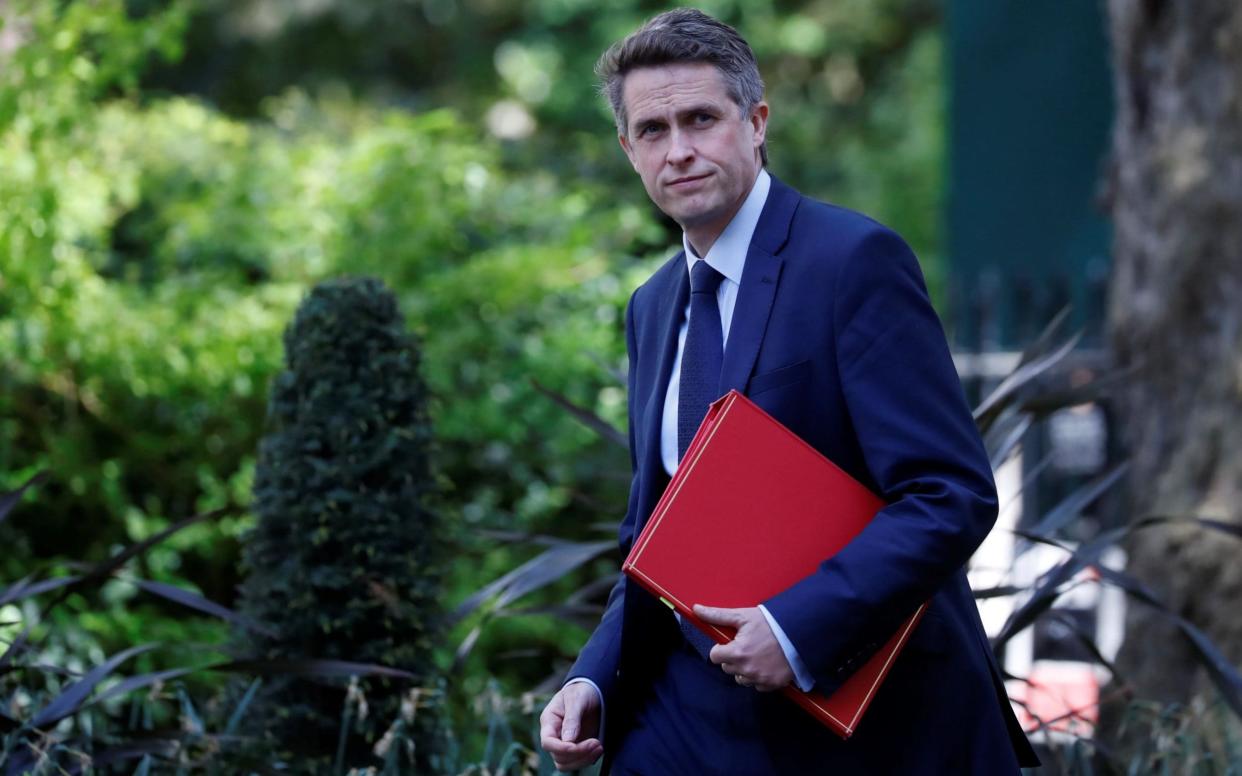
column 834, row 335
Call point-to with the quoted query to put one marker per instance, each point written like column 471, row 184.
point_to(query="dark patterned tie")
column 702, row 356
column 701, row 360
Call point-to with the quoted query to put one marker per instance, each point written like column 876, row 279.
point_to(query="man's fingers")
column 734, row 618
column 724, row 653
column 571, row 756
column 551, row 718
column 571, row 725
column 548, row 729
column 560, row 748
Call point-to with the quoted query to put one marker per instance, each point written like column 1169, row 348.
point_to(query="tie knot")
column 704, row 279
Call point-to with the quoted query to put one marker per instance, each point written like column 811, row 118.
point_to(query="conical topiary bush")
column 342, row 562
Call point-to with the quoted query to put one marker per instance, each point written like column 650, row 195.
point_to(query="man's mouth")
column 686, row 181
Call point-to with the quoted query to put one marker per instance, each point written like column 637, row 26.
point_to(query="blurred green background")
column 176, row 176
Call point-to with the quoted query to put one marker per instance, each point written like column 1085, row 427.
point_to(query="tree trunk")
column 1176, row 316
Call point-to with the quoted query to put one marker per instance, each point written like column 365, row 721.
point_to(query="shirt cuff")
column 802, row 677
column 600, row 693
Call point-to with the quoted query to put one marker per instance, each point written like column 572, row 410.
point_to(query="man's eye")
column 647, row 130
column 703, row 118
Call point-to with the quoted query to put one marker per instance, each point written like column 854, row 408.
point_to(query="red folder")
column 751, row 510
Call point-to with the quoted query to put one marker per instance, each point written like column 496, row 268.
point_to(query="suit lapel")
column 760, row 279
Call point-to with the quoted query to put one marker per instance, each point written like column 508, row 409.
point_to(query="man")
column 821, row 317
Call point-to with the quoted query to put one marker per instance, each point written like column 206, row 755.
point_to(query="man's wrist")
column 802, row 676
column 598, row 693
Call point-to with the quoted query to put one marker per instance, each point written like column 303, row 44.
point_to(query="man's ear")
column 759, row 122
column 629, row 150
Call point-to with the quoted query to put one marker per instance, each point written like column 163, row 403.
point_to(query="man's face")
column 697, row 156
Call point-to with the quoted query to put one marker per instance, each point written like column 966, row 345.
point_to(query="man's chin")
column 696, row 218
column 689, row 210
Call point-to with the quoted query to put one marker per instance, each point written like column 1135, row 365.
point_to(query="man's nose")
column 680, row 148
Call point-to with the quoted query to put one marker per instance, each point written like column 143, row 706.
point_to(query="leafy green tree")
column 855, row 85
column 344, row 560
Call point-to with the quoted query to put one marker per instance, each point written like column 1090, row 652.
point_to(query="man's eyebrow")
column 706, row 107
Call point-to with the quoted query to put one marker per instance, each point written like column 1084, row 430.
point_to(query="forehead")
column 653, row 91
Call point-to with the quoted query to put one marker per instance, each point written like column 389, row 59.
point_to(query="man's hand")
column 569, row 727
column 754, row 657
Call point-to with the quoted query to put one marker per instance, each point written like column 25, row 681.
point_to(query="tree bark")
column 1175, row 315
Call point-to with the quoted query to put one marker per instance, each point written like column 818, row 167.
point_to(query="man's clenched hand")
column 754, row 658
column 569, row 727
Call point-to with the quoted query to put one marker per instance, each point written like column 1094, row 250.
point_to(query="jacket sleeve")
column 923, row 452
column 600, row 659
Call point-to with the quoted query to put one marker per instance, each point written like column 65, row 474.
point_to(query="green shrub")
column 343, row 562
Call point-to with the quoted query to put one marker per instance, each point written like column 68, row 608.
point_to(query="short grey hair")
column 683, row 35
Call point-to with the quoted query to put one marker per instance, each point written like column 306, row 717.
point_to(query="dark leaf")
column 550, row 567
column 1047, row 402
column 135, row 748
column 131, row 683
column 1223, row 673
column 1037, row 539
column 195, row 601
column 106, row 568
column 597, row 588
column 998, row 592
column 1087, row 640
column 583, row 615
column 15, row 647
column 547, row 567
column 191, row 722
column 1003, row 437
column 70, row 700
column 116, row 561
column 1021, row 377
column 1043, row 343
column 1073, row 504
column 466, row 645
column 47, row 668
column 513, row 537
column 10, row 499
column 236, row 717
column 1232, row 529
column 1046, row 593
column 23, row 589
column 585, row 417
column 1149, row 521
column 1030, row 479
column 310, row 667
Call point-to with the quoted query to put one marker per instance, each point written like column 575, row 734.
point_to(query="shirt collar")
column 728, row 254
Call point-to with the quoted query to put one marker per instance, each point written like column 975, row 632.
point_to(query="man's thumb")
column 569, row 728
column 719, row 616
